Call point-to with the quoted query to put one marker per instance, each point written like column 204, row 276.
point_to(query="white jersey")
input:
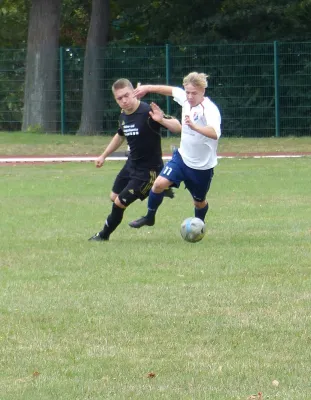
column 198, row 151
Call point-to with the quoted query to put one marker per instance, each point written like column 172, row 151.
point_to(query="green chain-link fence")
column 262, row 89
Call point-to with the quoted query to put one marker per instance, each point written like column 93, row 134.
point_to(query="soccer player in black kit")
column 140, row 123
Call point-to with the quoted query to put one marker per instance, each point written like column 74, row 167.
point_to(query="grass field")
column 147, row 315
column 17, row 143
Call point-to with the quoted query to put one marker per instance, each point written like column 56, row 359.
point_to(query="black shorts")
column 136, row 180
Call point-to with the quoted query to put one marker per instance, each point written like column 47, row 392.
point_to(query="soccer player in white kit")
column 194, row 161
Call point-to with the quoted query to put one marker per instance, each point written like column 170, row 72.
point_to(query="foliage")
column 250, row 20
column 14, row 22
column 242, row 83
column 163, row 21
column 150, row 25
column 160, row 21
column 12, row 74
column 181, row 22
column 75, row 22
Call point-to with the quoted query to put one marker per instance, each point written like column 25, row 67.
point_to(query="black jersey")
column 143, row 136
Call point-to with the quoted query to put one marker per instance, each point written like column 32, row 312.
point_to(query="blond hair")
column 121, row 84
column 196, row 79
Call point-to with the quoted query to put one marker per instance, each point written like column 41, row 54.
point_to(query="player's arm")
column 114, row 144
column 168, row 122
column 208, row 131
column 172, row 124
column 142, row 90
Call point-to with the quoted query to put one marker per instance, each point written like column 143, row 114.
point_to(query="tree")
column 40, row 99
column 93, row 94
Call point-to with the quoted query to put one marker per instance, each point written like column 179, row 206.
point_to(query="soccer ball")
column 192, row 229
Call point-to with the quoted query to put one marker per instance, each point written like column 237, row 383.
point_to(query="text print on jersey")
column 130, row 130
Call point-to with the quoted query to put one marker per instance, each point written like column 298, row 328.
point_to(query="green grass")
column 219, row 319
column 17, row 143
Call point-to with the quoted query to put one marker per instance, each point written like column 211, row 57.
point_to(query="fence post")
column 276, row 88
column 62, row 90
column 167, row 74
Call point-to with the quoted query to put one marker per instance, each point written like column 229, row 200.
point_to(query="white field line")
column 267, row 156
column 14, row 160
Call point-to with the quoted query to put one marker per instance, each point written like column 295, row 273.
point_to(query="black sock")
column 113, row 221
column 201, row 212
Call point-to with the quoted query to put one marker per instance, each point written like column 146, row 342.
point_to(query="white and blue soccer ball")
column 193, row 229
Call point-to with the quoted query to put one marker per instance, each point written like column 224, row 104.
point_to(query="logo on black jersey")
column 130, row 130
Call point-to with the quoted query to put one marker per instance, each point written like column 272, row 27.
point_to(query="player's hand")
column 140, row 91
column 156, row 113
column 99, row 162
column 189, row 122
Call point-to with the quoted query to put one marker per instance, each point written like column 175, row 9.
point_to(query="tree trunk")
column 93, row 90
column 40, row 102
